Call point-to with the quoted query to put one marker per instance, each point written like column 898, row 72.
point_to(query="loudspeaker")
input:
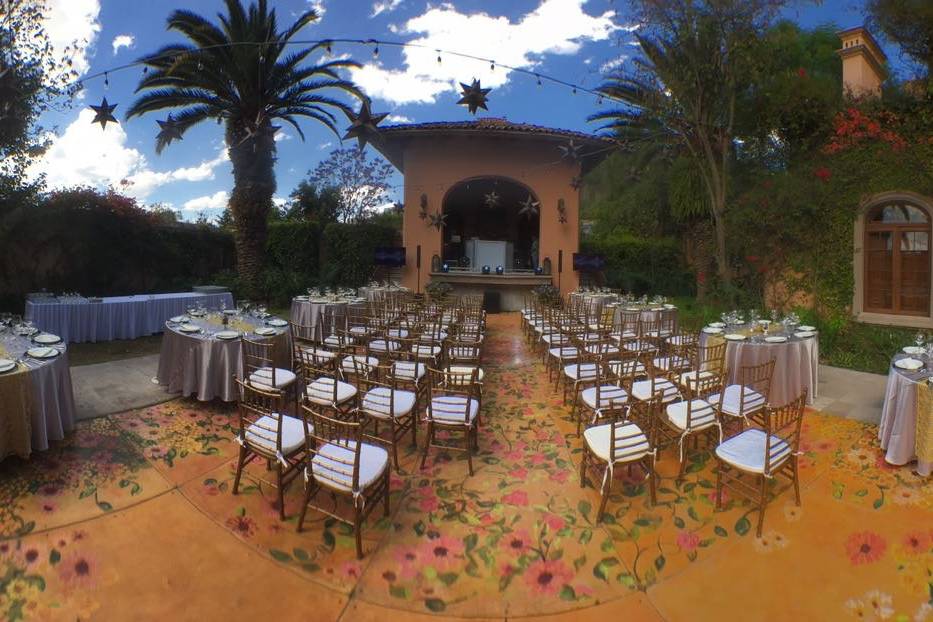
column 418, row 257
column 560, row 261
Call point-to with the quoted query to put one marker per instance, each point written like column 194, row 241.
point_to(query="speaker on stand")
column 418, row 266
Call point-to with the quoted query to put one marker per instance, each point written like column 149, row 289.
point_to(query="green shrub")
column 642, row 265
column 348, row 249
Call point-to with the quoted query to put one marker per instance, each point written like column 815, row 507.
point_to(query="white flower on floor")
column 923, row 613
column 770, row 541
column 861, row 457
column 880, row 603
column 792, row 513
column 858, row 609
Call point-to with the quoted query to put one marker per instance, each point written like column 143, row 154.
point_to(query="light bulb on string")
column 376, row 52
column 492, row 65
column 438, row 57
column 106, row 80
column 538, row 79
column 574, row 91
column 329, row 48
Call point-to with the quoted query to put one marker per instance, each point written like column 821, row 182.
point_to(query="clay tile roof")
column 486, row 124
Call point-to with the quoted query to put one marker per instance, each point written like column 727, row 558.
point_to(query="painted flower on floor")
column 547, row 576
column 865, row 547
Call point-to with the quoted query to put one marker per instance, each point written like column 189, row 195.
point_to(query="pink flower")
column 823, row 173
column 688, row 541
column 865, row 547
column 442, row 553
column 78, row 570
column 555, row 522
column 516, row 497
column 48, row 507
column 242, row 525
column 519, row 472
column 350, row 570
column 559, row 476
column 538, row 459
column 712, row 496
column 547, row 577
column 428, row 501
column 409, row 562
column 517, row 542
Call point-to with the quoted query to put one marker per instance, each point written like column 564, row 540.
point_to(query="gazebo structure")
column 490, row 205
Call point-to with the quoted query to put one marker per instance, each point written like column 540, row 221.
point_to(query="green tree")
column 908, row 23
column 314, row 203
column 240, row 73
column 698, row 58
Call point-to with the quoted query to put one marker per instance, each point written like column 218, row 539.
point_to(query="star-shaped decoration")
column 474, row 96
column 492, row 199
column 169, row 130
column 561, row 212
column 363, row 124
column 570, row 151
column 437, row 220
column 529, row 207
column 576, row 183
column 103, row 114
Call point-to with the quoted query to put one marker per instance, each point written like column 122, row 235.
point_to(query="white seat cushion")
column 609, row 395
column 262, row 378
column 377, row 402
column 732, row 400
column 381, row 345
column 598, row 438
column 449, row 409
column 747, row 450
column 360, row 330
column 631, row 367
column 556, row 339
column 466, row 369
column 262, row 433
column 398, row 333
column 655, row 334
column 319, row 356
column 329, row 465
column 702, row 414
column 425, row 350
column 689, row 378
column 321, row 391
column 679, row 340
column 409, row 370
column 602, row 348
column 639, row 346
column 363, row 363
column 564, row 353
column 668, row 363
column 641, row 390
column 335, row 341
column 584, row 371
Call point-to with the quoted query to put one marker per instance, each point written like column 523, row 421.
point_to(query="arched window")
column 897, row 259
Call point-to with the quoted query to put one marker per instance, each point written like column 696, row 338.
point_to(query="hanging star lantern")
column 570, row 151
column 363, row 124
column 492, row 199
column 424, row 207
column 561, row 212
column 473, row 96
column 576, row 183
column 437, row 220
column 103, row 114
column 529, row 207
column 169, row 130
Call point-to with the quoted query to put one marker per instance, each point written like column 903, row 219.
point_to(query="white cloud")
column 613, row 64
column 122, row 41
column 398, row 118
column 318, row 6
column 86, row 155
column 326, row 145
column 279, row 201
column 73, row 23
column 218, row 200
column 280, row 136
column 384, row 6
column 555, row 27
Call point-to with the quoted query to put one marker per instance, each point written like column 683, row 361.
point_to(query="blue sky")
column 569, row 39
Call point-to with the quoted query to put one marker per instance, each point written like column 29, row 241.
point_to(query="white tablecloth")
column 117, row 317
column 898, row 427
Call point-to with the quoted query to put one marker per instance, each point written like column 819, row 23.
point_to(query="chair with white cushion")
column 463, row 358
column 626, row 329
column 761, row 455
column 341, row 463
column 356, row 362
column 693, row 415
column 453, row 405
column 267, row 433
column 604, row 395
column 383, row 401
column 619, row 441
column 260, row 370
column 745, row 402
column 303, row 339
column 706, row 362
column 325, row 390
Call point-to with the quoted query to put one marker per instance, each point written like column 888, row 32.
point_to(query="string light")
column 329, row 48
column 492, row 65
column 106, row 80
column 438, row 57
column 538, row 79
column 376, row 51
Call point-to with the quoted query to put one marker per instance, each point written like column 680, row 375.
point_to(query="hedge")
column 643, row 265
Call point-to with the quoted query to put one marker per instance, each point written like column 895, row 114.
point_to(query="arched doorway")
column 897, row 259
column 491, row 221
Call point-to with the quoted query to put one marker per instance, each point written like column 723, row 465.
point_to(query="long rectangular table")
column 117, row 317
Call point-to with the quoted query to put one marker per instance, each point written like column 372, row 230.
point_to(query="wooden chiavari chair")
column 340, row 462
column 762, row 454
column 602, row 395
column 706, row 361
column 453, row 405
column 694, row 415
column 266, row 433
column 617, row 442
column 303, row 339
column 747, row 400
column 259, row 367
column 627, row 328
column 384, row 402
column 325, row 390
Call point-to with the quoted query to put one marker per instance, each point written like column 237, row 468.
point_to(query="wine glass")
column 918, row 339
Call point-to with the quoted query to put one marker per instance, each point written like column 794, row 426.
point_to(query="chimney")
column 863, row 63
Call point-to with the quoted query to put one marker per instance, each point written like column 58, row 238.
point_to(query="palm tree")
column 238, row 72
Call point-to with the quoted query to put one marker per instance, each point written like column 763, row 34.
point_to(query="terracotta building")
column 490, row 205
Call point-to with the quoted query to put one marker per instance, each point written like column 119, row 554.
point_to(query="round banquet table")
column 380, row 293
column 902, row 422
column 202, row 365
column 323, row 314
column 36, row 398
column 796, row 363
column 650, row 313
